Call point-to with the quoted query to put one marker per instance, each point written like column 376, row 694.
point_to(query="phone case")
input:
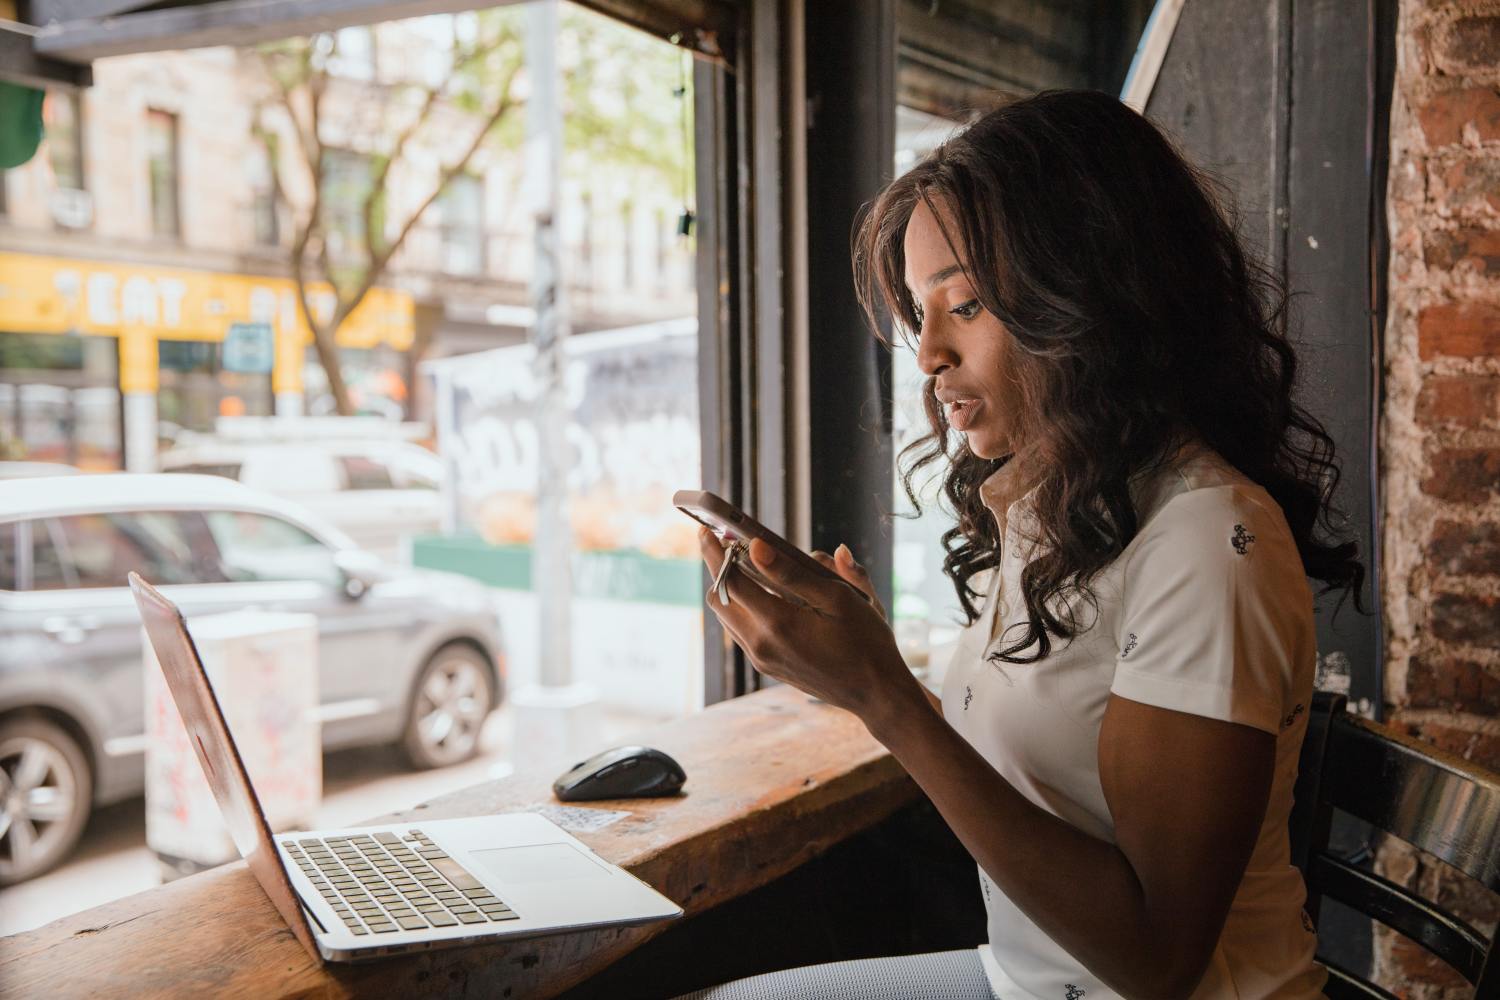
column 730, row 524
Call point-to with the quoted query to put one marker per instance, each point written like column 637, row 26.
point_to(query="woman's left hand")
column 838, row 648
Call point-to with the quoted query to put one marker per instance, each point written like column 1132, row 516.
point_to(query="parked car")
column 406, row 656
column 377, row 492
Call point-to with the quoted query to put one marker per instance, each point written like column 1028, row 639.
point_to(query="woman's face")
column 959, row 342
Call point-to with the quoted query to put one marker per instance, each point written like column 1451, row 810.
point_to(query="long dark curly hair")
column 1140, row 320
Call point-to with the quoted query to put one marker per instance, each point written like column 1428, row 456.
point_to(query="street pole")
column 556, row 716
column 551, row 549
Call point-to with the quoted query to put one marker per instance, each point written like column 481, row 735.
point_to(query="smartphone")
column 730, row 524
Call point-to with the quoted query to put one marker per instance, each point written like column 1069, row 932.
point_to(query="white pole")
column 557, row 716
column 140, row 431
column 551, row 549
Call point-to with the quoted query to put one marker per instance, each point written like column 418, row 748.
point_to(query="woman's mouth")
column 963, row 412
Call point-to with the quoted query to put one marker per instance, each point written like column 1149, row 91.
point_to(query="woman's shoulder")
column 1202, row 492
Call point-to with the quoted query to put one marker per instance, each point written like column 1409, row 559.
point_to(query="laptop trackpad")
column 538, row 863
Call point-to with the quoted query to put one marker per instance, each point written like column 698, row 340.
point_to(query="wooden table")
column 774, row 779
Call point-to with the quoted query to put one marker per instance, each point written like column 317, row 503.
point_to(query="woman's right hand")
column 842, row 562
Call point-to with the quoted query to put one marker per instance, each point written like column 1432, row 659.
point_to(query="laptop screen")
column 211, row 739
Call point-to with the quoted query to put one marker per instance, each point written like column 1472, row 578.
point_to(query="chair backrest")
column 1435, row 801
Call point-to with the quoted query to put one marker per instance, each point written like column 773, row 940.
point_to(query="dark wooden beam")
column 20, row 62
column 851, row 144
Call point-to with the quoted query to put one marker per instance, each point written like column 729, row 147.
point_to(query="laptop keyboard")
column 380, row 883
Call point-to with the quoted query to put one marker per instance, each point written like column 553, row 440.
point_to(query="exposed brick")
column 1464, row 475
column 1467, row 618
column 1464, row 330
column 1480, row 748
column 1469, row 247
column 1469, row 44
column 1470, row 180
column 1445, row 115
column 1452, row 683
column 1456, row 547
column 1468, row 401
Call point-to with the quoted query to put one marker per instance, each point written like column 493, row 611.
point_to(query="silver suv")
column 406, row 656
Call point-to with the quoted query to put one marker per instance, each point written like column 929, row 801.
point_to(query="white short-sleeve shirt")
column 1207, row 611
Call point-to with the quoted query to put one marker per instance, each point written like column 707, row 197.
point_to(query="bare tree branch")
column 398, row 148
column 378, row 263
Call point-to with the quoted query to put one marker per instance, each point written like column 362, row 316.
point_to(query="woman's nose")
column 933, row 356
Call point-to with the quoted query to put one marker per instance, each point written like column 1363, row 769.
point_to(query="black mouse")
column 621, row 773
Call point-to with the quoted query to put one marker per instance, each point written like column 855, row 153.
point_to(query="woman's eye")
column 968, row 310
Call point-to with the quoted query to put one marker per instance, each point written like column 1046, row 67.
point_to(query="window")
column 260, row 170
column 361, row 473
column 347, row 179
column 99, row 550
column 162, row 166
column 62, row 118
column 258, row 547
column 353, row 53
column 462, row 220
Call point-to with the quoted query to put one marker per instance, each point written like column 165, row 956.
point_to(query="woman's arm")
column 1187, row 794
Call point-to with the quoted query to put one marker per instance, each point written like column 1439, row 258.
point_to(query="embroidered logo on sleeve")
column 1242, row 539
column 1129, row 645
column 968, row 696
column 1291, row 716
column 1074, row 992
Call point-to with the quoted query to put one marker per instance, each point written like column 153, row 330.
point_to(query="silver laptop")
column 350, row 895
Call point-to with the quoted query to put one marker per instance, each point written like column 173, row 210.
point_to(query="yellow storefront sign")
column 141, row 305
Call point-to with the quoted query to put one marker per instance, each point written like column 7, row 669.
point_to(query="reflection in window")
column 162, row 166
column 258, row 547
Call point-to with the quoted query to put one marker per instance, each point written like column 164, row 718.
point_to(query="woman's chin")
column 985, row 446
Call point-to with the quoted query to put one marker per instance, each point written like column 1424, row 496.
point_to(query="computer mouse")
column 621, row 773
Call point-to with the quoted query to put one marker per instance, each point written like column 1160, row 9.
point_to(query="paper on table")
column 578, row 820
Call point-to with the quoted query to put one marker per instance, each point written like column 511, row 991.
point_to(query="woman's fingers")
column 843, row 563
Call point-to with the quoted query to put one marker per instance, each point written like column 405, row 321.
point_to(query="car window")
column 229, row 470
column 8, row 556
column 255, row 547
column 363, row 473
column 290, row 469
column 99, row 550
column 48, row 571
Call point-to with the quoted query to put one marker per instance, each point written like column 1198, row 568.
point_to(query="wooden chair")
column 1435, row 801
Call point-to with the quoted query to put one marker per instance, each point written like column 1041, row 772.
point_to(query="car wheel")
column 46, row 791
column 452, row 700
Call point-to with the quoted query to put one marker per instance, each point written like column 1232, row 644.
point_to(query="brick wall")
column 1440, row 439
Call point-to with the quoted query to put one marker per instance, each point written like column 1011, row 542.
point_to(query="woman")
column 1136, row 498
